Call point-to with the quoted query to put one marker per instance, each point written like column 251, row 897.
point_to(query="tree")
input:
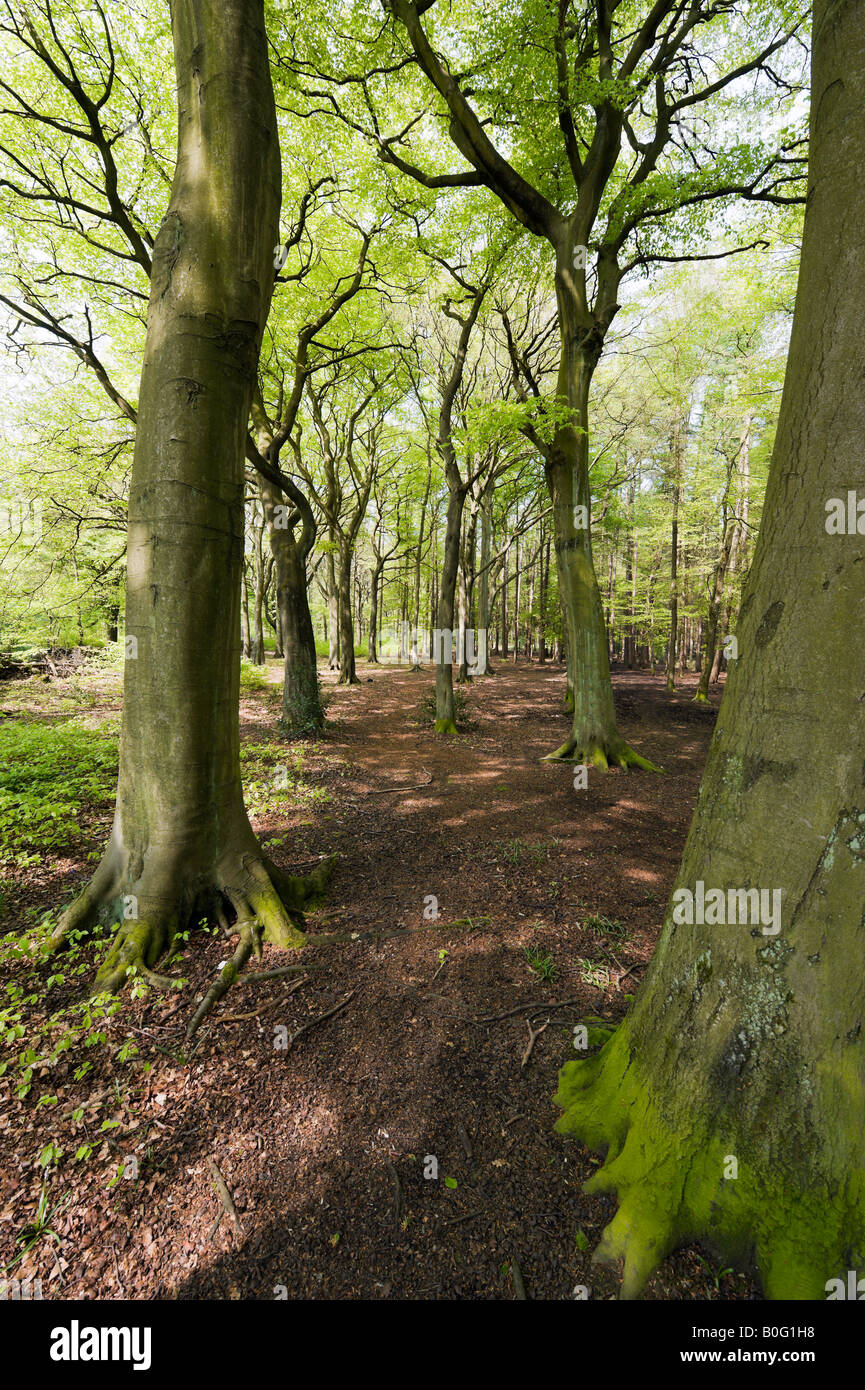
column 181, row 843
column 637, row 74
column 731, row 1101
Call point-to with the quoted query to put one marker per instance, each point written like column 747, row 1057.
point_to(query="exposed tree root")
column 604, row 754
column 254, row 896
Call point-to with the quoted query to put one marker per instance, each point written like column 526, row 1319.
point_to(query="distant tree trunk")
column 245, row 631
column 672, row 649
column 347, row 668
column 730, row 1101
column 332, row 607
column 181, row 844
column 543, row 587
column 483, row 667
column 375, row 577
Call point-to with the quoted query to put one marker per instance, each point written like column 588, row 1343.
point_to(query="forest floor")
column 545, row 894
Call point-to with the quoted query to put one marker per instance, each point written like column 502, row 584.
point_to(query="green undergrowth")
column 49, row 772
column 274, row 779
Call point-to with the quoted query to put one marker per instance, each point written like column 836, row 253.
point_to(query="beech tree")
column 638, row 142
column 730, row 1103
column 181, row 842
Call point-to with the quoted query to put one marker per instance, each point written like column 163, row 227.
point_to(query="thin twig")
column 224, row 1195
column 527, row 1008
column 385, row 791
column 321, row 1018
column 533, row 1037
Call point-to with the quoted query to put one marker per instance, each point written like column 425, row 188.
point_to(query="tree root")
column 601, row 754
column 265, row 902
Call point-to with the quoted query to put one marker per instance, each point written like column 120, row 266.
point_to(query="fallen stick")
column 527, row 1008
column 224, row 1195
column 533, row 1037
column 519, row 1286
column 321, row 1018
column 384, row 791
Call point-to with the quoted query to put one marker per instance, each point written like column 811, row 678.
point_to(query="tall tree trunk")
column 594, row 737
column 347, row 669
column 372, row 653
column 332, row 606
column 245, row 630
column 673, row 645
column 445, row 721
column 302, row 708
column 181, row 842
column 483, row 667
column 731, row 1101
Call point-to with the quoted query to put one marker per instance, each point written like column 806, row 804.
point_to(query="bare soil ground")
column 324, row 1146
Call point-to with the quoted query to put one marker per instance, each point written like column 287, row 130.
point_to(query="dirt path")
column 325, row 1146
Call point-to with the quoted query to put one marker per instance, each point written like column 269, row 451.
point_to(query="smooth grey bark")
column 745, row 1043
column 181, row 842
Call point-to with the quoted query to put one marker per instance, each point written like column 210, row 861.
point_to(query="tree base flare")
column 265, row 903
column 446, row 726
column 602, row 754
column 676, row 1186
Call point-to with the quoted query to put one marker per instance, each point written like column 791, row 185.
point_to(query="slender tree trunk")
column 302, row 709
column 673, row 647
column 445, row 713
column 372, row 654
column 483, row 667
column 347, row 668
column 181, row 843
column 731, row 1100
column 332, row 605
column 245, row 637
column 594, row 737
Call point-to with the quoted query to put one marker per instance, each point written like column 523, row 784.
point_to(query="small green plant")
column 604, row 926
column 715, row 1275
column 592, row 974
column 427, row 707
column 542, row 965
column 39, row 1228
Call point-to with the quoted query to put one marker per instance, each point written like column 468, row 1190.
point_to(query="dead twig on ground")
column 225, row 1196
column 384, row 791
column 519, row 1286
column 321, row 1018
column 533, row 1037
column 529, row 1008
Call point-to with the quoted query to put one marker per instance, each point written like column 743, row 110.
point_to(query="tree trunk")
column 181, row 843
column 483, row 667
column 302, row 709
column 594, row 737
column 332, row 609
column 744, row 1044
column 347, row 672
column 372, row 653
column 673, row 645
column 445, row 722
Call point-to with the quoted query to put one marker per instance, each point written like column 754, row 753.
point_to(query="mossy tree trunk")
column 181, row 843
column 742, row 1045
column 594, row 737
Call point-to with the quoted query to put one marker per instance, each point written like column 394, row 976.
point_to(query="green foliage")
column 48, row 773
column 541, row 964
